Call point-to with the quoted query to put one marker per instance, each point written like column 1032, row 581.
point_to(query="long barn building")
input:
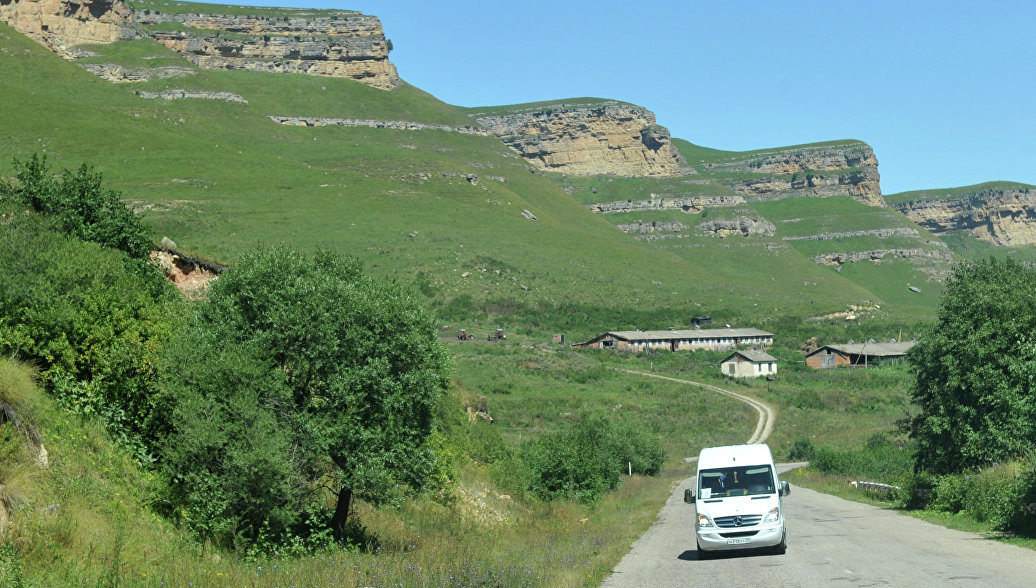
column 686, row 340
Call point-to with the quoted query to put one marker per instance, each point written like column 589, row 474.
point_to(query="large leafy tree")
column 975, row 370
column 298, row 374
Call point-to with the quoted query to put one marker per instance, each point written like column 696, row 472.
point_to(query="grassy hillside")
column 219, row 177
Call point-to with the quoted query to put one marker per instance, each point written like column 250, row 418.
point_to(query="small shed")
column 858, row 354
column 749, row 363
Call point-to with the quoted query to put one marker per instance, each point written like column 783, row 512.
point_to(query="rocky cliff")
column 821, row 170
column 586, row 138
column 999, row 213
column 339, row 43
column 62, row 24
column 342, row 44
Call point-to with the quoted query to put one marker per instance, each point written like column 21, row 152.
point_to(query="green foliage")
column 998, row 495
column 585, row 461
column 307, row 374
column 79, row 205
column 90, row 319
column 802, row 450
column 879, row 460
column 975, row 370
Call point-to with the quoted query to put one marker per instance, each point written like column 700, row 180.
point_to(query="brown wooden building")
column 858, row 354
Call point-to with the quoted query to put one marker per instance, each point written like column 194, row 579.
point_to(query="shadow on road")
column 692, row 554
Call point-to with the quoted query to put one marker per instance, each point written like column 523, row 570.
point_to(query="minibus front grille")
column 738, row 534
column 737, row 521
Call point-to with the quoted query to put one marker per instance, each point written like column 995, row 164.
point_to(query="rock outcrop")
column 333, row 43
column 822, row 170
column 1001, row 214
column 586, row 139
column 341, row 44
column 690, row 204
column 742, row 226
column 63, row 24
column 400, row 125
column 919, row 255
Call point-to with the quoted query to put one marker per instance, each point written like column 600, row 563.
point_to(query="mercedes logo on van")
column 738, row 521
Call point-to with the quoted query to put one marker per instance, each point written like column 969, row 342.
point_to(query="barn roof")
column 689, row 334
column 753, row 355
column 870, row 349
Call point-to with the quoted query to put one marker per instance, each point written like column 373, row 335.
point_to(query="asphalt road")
column 831, row 542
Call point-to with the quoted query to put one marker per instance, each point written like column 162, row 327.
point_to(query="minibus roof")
column 734, row 455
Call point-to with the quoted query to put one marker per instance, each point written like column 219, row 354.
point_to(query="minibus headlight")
column 704, row 521
column 773, row 516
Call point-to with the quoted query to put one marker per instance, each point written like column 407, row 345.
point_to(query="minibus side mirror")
column 785, row 489
column 688, row 495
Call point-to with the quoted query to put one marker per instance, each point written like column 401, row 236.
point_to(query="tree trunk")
column 345, row 498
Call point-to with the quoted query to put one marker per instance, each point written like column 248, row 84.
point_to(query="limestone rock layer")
column 598, row 138
column 997, row 214
column 821, row 170
column 344, row 44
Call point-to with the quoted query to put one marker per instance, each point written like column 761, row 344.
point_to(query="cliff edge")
column 585, row 137
column 333, row 43
column 819, row 170
column 60, row 24
column 999, row 213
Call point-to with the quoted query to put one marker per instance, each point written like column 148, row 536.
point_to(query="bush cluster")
column 78, row 204
column 590, row 458
column 89, row 318
column 1001, row 495
column 880, row 459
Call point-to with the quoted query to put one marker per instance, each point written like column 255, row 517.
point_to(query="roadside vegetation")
column 968, row 446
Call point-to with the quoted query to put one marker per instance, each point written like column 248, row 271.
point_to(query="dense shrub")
column 1024, row 518
column 879, row 460
column 1001, row 495
column 589, row 459
column 78, row 204
column 90, row 319
column 802, row 450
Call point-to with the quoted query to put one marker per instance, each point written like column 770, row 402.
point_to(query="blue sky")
column 945, row 92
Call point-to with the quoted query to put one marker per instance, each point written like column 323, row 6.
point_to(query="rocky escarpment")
column 822, row 170
column 690, row 204
column 62, row 24
column 742, row 226
column 1000, row 214
column 918, row 255
column 585, row 139
column 339, row 43
column 400, row 125
column 342, row 44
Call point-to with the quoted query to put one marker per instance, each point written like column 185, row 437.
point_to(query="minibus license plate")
column 738, row 541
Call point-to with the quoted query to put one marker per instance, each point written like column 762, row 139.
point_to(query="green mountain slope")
column 447, row 212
